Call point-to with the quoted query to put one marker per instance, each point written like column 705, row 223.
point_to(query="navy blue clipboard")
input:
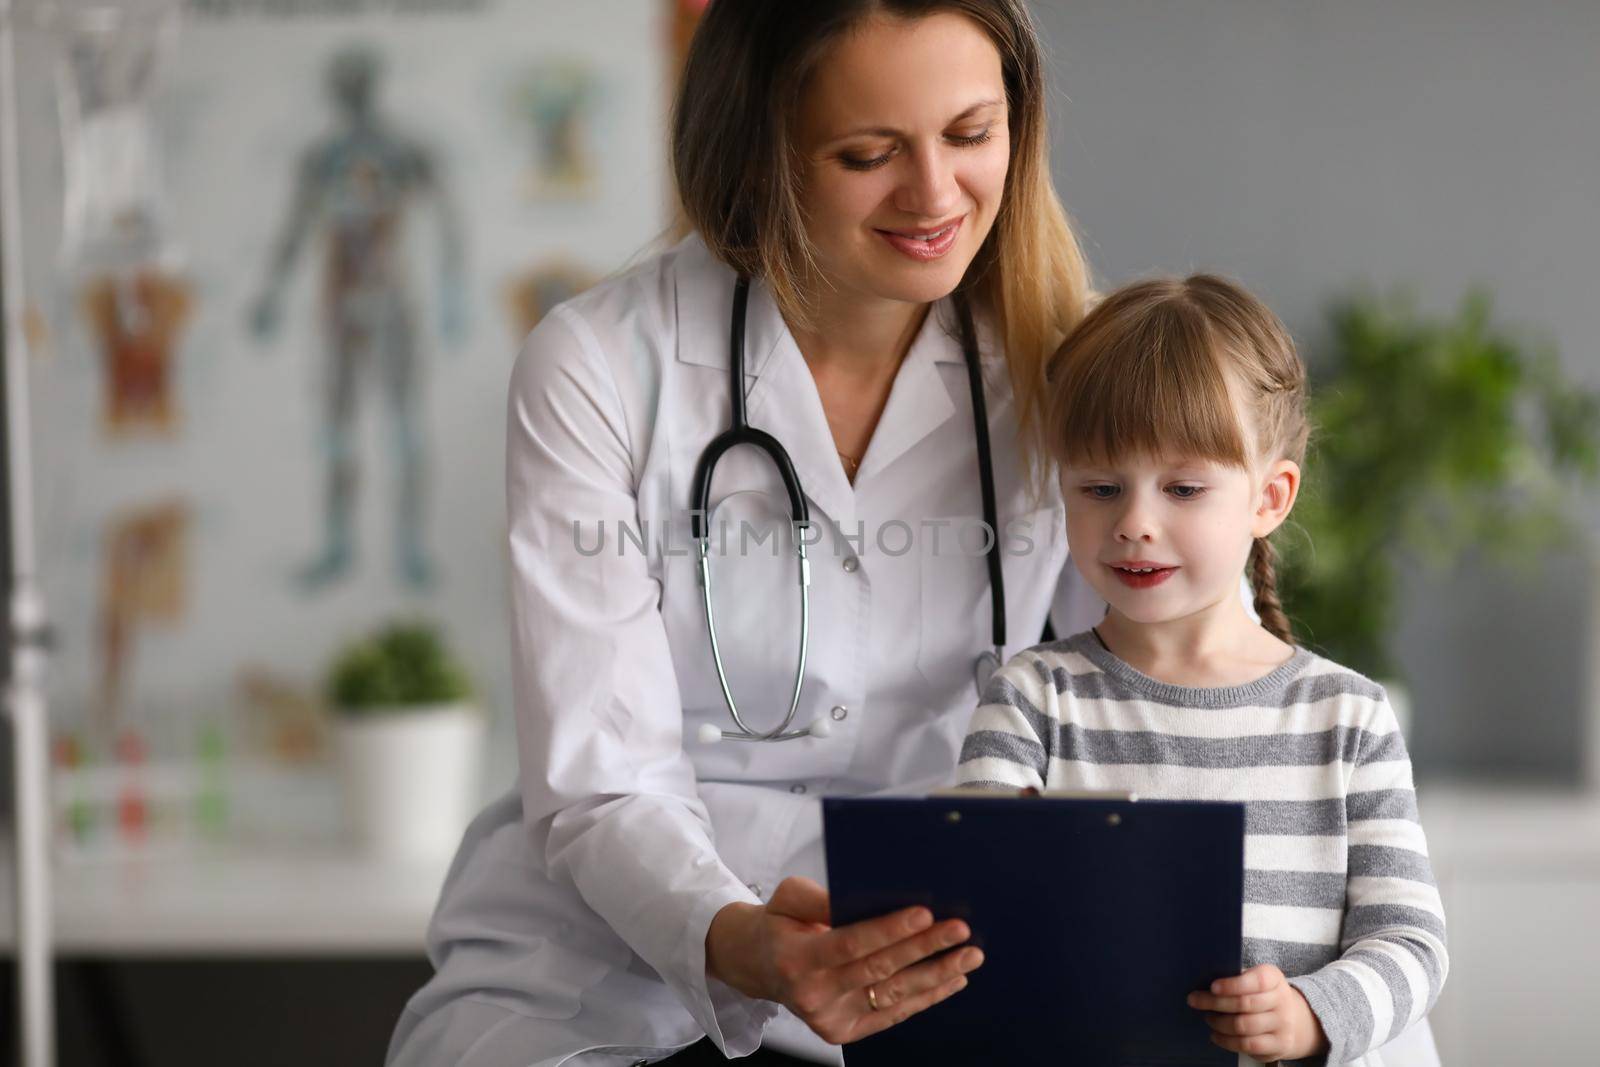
column 1096, row 917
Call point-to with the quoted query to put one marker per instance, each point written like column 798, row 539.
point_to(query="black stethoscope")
column 742, row 433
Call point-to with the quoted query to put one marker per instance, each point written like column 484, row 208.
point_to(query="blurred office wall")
column 1310, row 148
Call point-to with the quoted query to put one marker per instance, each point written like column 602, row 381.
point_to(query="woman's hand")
column 786, row 951
column 1260, row 1014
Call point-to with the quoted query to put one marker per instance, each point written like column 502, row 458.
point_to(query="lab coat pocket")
column 956, row 622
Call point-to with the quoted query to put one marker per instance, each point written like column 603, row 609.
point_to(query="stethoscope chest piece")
column 988, row 662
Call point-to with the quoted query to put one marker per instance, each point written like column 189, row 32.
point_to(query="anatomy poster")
column 555, row 102
column 357, row 189
column 284, row 252
column 135, row 323
column 143, row 581
column 531, row 295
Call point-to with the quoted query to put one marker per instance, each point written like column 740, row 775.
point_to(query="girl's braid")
column 1264, row 580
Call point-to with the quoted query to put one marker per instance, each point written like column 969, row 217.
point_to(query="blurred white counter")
column 1482, row 828
column 282, row 882
column 229, row 901
column 1519, row 873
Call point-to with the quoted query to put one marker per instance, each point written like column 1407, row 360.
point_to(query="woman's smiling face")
column 904, row 148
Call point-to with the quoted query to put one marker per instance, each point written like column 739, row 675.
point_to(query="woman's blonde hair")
column 1192, row 367
column 732, row 156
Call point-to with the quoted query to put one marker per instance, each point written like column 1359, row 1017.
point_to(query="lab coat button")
column 798, row 787
column 839, row 712
column 851, row 564
column 755, row 887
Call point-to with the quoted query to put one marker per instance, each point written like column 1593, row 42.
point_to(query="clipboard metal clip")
column 965, row 792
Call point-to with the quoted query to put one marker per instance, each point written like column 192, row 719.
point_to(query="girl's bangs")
column 1159, row 392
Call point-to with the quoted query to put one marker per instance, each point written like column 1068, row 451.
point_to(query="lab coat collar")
column 781, row 396
column 784, row 401
column 921, row 399
column 704, row 295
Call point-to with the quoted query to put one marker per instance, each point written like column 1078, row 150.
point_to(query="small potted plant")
column 409, row 741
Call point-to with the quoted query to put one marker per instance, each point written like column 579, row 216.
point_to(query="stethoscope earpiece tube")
column 980, row 418
column 740, row 432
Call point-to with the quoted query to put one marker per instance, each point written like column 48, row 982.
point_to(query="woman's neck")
column 1217, row 646
column 854, row 348
column 859, row 336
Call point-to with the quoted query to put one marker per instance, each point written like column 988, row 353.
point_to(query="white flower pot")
column 410, row 777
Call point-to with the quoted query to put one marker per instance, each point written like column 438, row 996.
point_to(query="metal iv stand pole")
column 28, row 631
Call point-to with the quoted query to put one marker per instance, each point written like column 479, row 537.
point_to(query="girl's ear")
column 1277, row 497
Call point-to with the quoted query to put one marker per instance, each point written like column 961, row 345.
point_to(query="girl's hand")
column 786, row 951
column 1260, row 1014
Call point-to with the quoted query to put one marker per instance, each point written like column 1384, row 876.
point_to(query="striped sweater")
column 1338, row 892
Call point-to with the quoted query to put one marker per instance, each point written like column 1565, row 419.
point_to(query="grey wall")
column 1304, row 148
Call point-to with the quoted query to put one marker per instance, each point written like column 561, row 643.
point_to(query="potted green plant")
column 1433, row 436
column 409, row 740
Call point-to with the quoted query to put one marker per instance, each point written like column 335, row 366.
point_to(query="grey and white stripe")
column 1338, row 891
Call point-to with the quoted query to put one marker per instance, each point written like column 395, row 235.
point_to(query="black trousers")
column 704, row 1054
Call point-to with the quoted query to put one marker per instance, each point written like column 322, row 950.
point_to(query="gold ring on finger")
column 872, row 998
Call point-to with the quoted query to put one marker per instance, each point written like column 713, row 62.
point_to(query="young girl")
column 1178, row 418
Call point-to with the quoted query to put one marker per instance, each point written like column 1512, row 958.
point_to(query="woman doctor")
column 867, row 164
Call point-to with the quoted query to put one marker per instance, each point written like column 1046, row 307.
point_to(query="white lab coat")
column 571, row 927
column 575, row 914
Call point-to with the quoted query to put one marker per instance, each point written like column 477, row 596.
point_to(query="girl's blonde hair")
column 1192, row 367
column 733, row 159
